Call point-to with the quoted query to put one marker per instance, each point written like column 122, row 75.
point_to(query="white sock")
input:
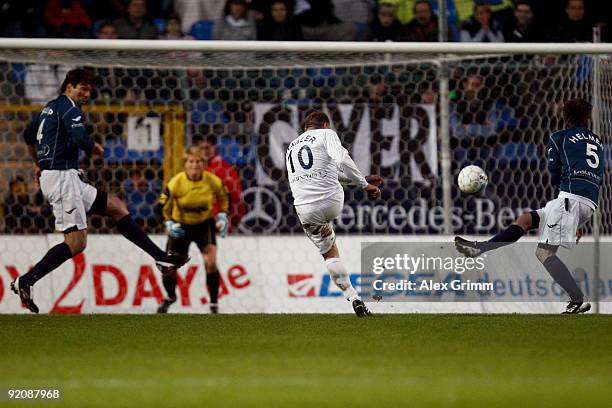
column 341, row 278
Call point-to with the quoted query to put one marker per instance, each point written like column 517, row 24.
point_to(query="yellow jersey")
column 191, row 202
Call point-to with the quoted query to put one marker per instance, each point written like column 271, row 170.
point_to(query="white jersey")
column 316, row 164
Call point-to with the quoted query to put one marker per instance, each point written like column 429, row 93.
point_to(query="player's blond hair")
column 196, row 151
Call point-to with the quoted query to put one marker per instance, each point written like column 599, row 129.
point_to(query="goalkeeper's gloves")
column 174, row 229
column 222, row 224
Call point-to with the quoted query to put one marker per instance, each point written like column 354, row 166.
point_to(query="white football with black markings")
column 472, row 180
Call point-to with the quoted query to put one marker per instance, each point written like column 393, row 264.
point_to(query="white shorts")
column 317, row 220
column 69, row 196
column 560, row 219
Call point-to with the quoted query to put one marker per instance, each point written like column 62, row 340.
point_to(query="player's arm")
column 29, row 135
column 348, row 171
column 343, row 178
column 164, row 205
column 554, row 161
column 373, row 179
column 73, row 123
column 223, row 198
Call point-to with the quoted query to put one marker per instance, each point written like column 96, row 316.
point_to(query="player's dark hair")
column 577, row 112
column 212, row 139
column 77, row 76
column 315, row 120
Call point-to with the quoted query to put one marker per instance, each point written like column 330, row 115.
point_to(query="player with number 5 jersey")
column 576, row 163
column 317, row 164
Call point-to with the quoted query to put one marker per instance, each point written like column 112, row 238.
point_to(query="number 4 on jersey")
column 39, row 134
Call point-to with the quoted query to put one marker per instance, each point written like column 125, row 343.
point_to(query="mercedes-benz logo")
column 265, row 211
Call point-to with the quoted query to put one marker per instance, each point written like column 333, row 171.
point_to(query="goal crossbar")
column 306, row 46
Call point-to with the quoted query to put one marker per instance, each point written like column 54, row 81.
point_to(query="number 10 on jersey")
column 300, row 155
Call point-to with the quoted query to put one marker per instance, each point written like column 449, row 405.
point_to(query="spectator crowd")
column 295, row 20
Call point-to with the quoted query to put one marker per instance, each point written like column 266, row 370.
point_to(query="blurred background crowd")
column 291, row 20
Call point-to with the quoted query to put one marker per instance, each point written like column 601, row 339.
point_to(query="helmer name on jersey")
column 581, row 136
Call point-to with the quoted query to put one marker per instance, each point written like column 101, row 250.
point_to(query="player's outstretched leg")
column 547, row 255
column 132, row 231
column 174, row 245
column 577, row 308
column 212, row 276
column 513, row 233
column 341, row 278
column 25, row 293
column 24, row 285
column 74, row 243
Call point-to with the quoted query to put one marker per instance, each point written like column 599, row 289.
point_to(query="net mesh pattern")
column 384, row 107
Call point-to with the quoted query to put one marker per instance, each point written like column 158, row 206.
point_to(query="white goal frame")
column 441, row 50
column 306, row 46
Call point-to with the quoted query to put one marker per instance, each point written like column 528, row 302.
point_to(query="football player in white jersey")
column 317, row 164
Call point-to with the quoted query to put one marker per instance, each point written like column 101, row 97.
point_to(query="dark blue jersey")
column 58, row 132
column 576, row 162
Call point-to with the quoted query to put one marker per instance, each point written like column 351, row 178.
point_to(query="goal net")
column 149, row 105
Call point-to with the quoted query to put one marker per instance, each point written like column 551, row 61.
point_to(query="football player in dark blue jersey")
column 576, row 165
column 54, row 139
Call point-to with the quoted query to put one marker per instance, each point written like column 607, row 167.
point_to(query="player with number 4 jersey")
column 576, row 165
column 317, row 164
column 54, row 139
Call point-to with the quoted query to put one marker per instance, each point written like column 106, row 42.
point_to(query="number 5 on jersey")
column 592, row 157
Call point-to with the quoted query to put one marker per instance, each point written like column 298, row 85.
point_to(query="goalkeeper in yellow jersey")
column 187, row 208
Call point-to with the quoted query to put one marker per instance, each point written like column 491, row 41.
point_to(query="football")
column 472, row 180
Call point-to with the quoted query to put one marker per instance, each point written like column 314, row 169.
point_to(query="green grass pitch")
column 310, row 360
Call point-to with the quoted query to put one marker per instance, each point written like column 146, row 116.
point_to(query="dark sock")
column 509, row 235
column 52, row 259
column 129, row 229
column 212, row 281
column 169, row 281
column 559, row 272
